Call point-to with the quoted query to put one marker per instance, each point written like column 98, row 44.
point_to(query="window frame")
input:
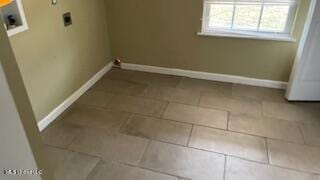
column 286, row 35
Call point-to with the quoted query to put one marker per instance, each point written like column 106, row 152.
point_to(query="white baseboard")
column 71, row 99
column 207, row 76
column 161, row 70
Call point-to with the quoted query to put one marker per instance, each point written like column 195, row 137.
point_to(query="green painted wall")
column 163, row 33
column 56, row 61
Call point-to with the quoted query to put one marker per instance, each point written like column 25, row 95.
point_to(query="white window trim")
column 286, row 36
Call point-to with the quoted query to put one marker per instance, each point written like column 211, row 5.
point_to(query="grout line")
column 189, row 138
column 228, row 119
column 179, row 82
column 144, row 152
column 225, row 167
column 159, row 99
column 125, row 122
column 257, row 162
column 189, row 148
column 150, row 140
column 267, row 149
column 302, row 134
column 162, row 100
column 238, row 157
column 208, row 151
column 93, row 169
column 295, row 143
column 80, row 128
column 160, row 172
column 242, row 158
column 142, row 168
column 215, row 152
column 233, row 131
column 199, row 101
column 70, row 150
column 164, row 110
column 177, row 85
column 153, row 139
column 252, row 161
column 239, row 132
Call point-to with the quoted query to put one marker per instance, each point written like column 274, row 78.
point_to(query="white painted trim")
column 17, row 30
column 207, row 76
column 71, row 99
column 298, row 88
column 232, row 32
column 256, row 36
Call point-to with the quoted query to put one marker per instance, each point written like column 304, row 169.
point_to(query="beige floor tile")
column 234, row 105
column 311, row 134
column 206, row 86
column 144, row 78
column 304, row 113
column 60, row 133
column 96, row 117
column 285, row 111
column 238, row 169
column 119, row 87
column 172, row 94
column 139, row 105
column 183, row 162
column 196, row 115
column 258, row 93
column 236, row 144
column 310, row 113
column 95, row 98
column 295, row 156
column 158, row 129
column 156, row 79
column 117, row 147
column 266, row 127
column 67, row 165
column 88, row 129
column 115, row 171
column 120, row 74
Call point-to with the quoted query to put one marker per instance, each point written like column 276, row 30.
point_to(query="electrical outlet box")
column 67, row 20
column 14, row 18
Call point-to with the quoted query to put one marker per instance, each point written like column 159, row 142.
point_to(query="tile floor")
column 143, row 126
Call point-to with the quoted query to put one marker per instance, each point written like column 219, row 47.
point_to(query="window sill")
column 249, row 36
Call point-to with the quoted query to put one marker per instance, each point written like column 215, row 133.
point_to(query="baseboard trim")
column 207, row 76
column 71, row 99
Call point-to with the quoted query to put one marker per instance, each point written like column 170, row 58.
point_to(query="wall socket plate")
column 67, row 19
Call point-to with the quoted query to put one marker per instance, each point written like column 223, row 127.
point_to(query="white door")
column 304, row 83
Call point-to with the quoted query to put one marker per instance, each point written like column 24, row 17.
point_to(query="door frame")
column 299, row 62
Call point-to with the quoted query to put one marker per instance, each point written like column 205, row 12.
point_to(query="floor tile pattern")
column 143, row 126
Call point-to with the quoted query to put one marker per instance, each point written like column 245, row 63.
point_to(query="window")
column 267, row 19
